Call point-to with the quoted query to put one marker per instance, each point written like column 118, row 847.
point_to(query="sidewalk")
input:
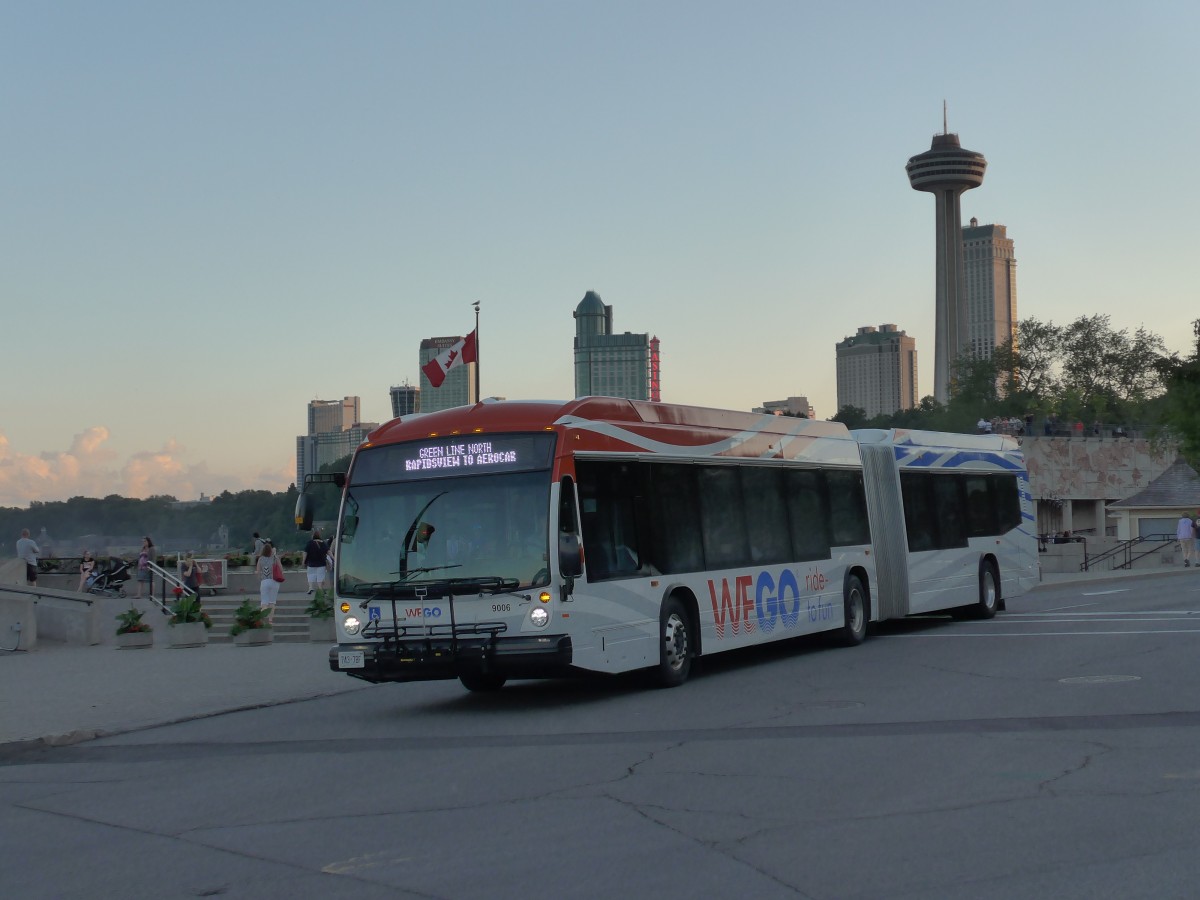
column 61, row 694
column 66, row 694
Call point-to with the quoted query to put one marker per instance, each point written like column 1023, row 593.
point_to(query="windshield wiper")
column 421, row 571
column 436, row 587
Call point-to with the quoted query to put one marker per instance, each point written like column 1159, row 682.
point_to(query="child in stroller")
column 110, row 580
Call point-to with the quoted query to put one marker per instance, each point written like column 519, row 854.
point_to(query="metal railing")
column 167, row 577
column 1126, row 553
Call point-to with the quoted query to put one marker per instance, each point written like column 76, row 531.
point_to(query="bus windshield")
column 487, row 530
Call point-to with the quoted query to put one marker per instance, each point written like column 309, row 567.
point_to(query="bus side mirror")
column 304, row 512
column 570, row 557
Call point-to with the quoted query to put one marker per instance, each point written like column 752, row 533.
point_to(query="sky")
column 213, row 213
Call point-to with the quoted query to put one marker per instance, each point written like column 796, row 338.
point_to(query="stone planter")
column 187, row 634
column 135, row 640
column 320, row 631
column 254, row 637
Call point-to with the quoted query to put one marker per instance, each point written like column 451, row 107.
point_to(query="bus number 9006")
column 501, row 607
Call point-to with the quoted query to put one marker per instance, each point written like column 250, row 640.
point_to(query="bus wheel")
column 482, row 681
column 856, row 611
column 989, row 591
column 675, row 651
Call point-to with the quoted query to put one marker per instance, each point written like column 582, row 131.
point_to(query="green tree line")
column 1084, row 371
column 194, row 526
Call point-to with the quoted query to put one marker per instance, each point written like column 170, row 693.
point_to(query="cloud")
column 91, row 469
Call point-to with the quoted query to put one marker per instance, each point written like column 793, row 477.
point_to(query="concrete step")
column 291, row 622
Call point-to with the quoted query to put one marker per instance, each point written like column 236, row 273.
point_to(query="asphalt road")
column 1050, row 752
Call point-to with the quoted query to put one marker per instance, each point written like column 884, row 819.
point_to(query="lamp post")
column 478, row 396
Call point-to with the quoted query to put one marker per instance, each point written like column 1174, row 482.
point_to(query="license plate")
column 350, row 659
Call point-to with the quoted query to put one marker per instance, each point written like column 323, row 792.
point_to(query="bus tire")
column 482, row 682
column 675, row 643
column 989, row 591
column 856, row 609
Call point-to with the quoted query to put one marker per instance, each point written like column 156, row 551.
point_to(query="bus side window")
column 847, row 509
column 808, row 513
column 981, row 507
column 1007, row 496
column 920, row 520
column 612, row 508
column 676, row 518
column 949, row 501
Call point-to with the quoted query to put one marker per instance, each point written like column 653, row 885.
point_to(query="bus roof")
column 613, row 424
column 904, row 437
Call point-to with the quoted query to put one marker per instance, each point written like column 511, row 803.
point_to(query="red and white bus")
column 532, row 539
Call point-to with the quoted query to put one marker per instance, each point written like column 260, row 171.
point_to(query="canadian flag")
column 463, row 351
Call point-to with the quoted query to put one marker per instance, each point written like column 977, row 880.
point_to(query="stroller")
column 109, row 582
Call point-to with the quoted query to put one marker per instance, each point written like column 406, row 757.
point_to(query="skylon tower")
column 946, row 170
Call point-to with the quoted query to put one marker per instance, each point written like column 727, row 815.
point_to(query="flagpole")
column 478, row 396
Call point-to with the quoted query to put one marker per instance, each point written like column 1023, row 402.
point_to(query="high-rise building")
column 406, row 400
column 459, row 387
column 326, row 416
column 946, row 170
column 991, row 287
column 316, row 450
column 877, row 371
column 612, row 365
column 334, row 430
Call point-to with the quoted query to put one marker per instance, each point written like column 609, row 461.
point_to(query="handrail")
column 42, row 593
column 167, row 576
column 1125, row 550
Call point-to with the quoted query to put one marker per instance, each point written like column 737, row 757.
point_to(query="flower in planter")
column 321, row 606
column 188, row 609
column 248, row 616
column 131, row 622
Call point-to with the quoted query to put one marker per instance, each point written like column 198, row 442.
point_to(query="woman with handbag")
column 270, row 573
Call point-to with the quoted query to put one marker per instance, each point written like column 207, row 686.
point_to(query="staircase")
column 291, row 622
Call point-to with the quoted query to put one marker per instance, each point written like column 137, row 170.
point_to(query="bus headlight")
column 539, row 617
column 352, row 625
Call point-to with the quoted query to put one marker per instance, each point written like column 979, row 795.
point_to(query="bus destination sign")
column 453, row 456
column 450, row 456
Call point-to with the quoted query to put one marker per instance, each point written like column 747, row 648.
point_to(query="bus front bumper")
column 433, row 659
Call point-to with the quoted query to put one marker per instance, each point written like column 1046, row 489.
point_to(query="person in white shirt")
column 1185, row 533
column 28, row 551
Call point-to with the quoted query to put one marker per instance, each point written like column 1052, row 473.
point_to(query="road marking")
column 1102, row 593
column 1075, row 606
column 1114, row 612
column 1099, row 679
column 1045, row 633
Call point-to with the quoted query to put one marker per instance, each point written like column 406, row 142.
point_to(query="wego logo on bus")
column 772, row 604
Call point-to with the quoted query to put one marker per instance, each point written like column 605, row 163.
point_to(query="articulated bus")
column 535, row 539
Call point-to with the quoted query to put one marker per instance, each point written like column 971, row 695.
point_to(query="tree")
column 850, row 416
column 1181, row 404
column 1028, row 369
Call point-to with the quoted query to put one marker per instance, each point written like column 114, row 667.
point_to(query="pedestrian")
column 28, row 551
column 268, row 587
column 315, row 556
column 87, row 567
column 191, row 574
column 258, row 547
column 1196, row 535
column 144, row 573
column 1185, row 533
